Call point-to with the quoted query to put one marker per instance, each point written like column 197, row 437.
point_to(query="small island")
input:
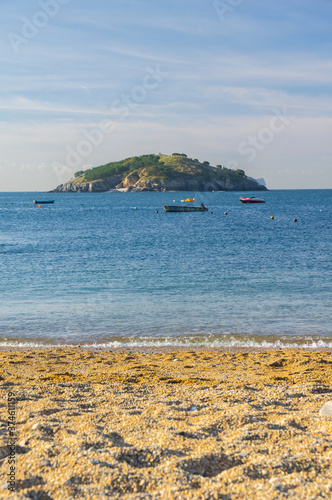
column 159, row 173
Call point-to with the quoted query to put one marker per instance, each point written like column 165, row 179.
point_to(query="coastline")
column 162, row 349
column 169, row 423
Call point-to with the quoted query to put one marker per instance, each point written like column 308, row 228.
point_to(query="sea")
column 113, row 270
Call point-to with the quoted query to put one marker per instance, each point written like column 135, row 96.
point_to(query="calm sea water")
column 107, row 269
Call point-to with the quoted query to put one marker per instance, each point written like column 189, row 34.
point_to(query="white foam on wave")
column 306, row 343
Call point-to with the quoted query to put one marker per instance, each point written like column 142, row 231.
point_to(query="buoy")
column 211, row 212
column 295, row 220
column 272, row 217
column 225, row 213
column 39, row 206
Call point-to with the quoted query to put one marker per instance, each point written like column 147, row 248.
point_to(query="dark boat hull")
column 261, row 201
column 43, row 202
column 173, row 208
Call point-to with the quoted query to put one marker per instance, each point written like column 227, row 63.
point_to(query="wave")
column 304, row 343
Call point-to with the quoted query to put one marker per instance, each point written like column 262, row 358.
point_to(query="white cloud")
column 32, row 167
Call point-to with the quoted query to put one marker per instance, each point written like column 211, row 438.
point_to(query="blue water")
column 93, row 269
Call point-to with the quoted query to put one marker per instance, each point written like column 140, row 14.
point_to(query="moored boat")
column 251, row 199
column 43, row 202
column 184, row 208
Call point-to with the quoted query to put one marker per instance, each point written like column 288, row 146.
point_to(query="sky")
column 241, row 83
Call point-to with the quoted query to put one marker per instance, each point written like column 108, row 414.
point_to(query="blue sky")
column 245, row 84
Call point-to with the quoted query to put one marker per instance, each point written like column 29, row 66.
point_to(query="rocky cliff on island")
column 159, row 173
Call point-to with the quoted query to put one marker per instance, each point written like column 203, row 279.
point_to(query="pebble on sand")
column 36, row 427
column 326, row 410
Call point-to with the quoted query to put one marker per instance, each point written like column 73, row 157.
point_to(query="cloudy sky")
column 242, row 83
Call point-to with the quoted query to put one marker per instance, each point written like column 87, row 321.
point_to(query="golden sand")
column 156, row 425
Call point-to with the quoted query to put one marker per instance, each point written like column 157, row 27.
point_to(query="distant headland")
column 160, row 173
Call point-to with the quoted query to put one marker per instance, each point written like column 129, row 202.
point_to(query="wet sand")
column 227, row 424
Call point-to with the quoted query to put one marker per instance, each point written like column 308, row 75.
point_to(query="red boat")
column 251, row 199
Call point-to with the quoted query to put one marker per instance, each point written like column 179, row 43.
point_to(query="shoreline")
column 164, row 349
column 168, row 424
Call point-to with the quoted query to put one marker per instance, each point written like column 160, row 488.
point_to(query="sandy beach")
column 165, row 425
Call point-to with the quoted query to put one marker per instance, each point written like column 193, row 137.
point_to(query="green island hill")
column 159, row 173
